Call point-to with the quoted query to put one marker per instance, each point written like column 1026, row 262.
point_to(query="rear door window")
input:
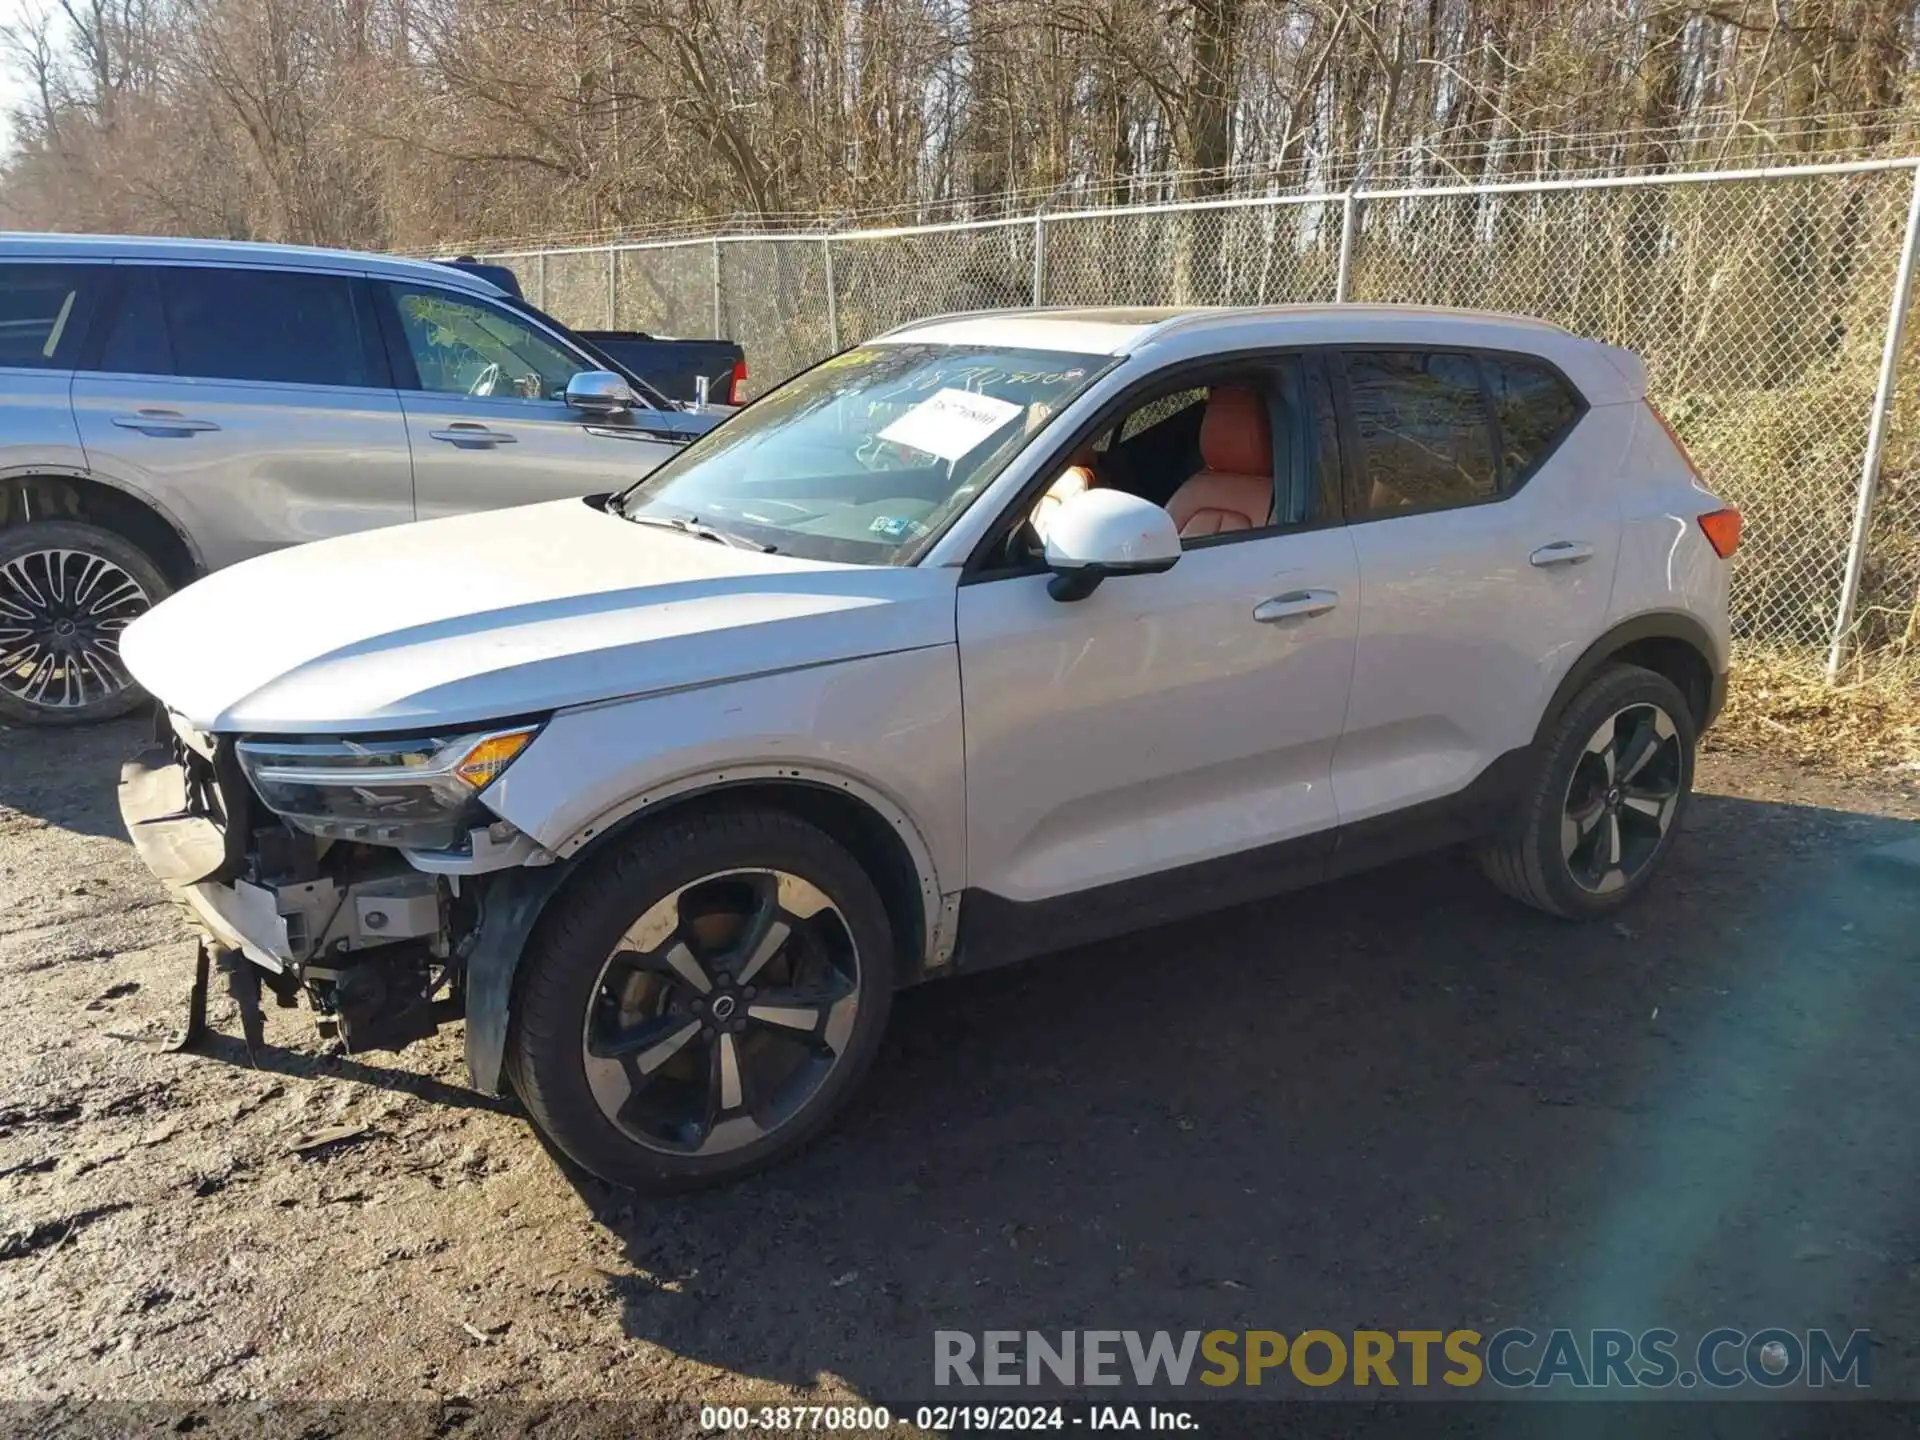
column 42, row 313
column 265, row 325
column 135, row 342
column 1421, row 420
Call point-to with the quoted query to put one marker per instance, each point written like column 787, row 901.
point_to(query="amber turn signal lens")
column 484, row 762
column 1722, row 528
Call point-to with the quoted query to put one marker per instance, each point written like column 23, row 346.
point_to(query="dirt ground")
column 1398, row 1101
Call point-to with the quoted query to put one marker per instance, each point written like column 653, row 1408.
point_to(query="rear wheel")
column 702, row 1003
column 67, row 591
column 1613, row 778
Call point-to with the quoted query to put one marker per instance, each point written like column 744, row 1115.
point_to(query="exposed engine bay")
column 375, row 944
column 368, row 938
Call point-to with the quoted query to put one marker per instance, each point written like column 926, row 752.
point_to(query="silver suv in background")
column 169, row 407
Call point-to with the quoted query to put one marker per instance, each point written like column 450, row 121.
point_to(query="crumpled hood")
column 506, row 613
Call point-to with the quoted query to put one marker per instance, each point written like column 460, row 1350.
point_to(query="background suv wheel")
column 1605, row 799
column 700, row 1004
column 67, row 591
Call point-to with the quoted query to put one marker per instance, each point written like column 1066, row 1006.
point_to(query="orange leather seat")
column 1235, row 489
column 1079, row 476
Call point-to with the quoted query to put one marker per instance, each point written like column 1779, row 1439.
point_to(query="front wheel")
column 702, row 1002
column 1601, row 809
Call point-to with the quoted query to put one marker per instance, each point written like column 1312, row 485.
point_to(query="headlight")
column 417, row 793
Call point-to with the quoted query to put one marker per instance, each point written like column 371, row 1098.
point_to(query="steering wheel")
column 484, row 382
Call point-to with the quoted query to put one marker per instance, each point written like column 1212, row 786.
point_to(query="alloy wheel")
column 61, row 615
column 721, row 1012
column 1621, row 799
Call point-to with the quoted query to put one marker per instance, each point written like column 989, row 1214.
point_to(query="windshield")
column 864, row 457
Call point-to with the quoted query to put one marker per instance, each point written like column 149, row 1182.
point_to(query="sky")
column 12, row 88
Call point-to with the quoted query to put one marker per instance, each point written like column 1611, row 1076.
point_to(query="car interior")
column 1207, row 454
column 1222, row 452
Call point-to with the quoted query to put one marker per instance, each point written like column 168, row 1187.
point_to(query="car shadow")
column 38, row 766
column 307, row 1064
column 1398, row 1102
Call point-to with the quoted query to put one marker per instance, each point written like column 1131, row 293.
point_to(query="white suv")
column 995, row 633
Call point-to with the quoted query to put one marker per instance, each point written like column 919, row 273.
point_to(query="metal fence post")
column 1876, row 436
column 718, row 332
column 613, row 289
column 540, row 280
column 1343, row 276
column 833, row 300
column 1040, row 257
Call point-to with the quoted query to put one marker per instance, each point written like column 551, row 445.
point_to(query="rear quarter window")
column 42, row 313
column 1534, row 409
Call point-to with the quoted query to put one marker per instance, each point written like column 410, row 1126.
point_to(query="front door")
column 1173, row 719
column 485, row 413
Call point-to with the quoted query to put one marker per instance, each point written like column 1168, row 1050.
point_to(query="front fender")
column 511, row 902
column 885, row 728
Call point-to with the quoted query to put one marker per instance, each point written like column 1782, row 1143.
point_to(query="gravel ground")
column 1397, row 1101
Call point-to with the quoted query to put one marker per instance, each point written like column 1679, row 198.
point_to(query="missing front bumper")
column 376, row 945
column 185, row 810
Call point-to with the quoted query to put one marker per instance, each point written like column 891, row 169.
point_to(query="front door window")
column 465, row 346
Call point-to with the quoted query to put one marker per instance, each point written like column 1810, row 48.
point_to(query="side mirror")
column 599, row 392
column 1101, row 533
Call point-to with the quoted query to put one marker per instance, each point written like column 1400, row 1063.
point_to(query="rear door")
column 254, row 404
column 483, row 388
column 1486, row 530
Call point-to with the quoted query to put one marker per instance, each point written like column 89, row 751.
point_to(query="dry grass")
column 1779, row 704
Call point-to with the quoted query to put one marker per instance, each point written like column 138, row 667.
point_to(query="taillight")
column 739, row 381
column 1722, row 529
column 1678, row 443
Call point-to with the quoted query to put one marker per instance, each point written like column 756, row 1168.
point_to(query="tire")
column 608, row 971
column 1593, row 789
column 67, row 590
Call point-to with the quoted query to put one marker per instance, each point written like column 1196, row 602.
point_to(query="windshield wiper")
column 690, row 525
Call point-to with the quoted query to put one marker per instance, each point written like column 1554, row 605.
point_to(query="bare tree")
column 422, row 122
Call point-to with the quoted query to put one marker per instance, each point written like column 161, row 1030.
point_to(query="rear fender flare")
column 1658, row 625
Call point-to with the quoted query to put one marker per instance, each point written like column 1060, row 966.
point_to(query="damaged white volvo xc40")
column 996, row 633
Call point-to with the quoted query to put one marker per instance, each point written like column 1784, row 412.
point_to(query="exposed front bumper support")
column 241, row 917
column 175, row 837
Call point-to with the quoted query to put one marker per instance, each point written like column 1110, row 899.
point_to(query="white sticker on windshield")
column 951, row 423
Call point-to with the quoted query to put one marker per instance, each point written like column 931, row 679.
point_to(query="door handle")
column 471, row 432
column 163, row 422
column 1561, row 552
column 1296, row 605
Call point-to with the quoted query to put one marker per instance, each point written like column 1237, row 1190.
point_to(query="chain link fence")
column 1766, row 303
